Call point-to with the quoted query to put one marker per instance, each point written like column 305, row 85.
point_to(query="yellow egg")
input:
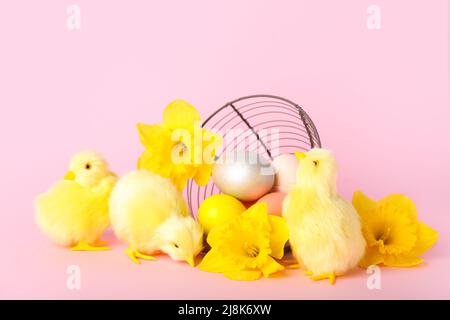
column 218, row 209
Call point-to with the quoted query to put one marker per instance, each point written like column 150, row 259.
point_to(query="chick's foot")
column 134, row 255
column 100, row 243
column 84, row 246
column 331, row 276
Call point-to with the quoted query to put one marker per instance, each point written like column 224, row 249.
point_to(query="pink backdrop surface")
column 379, row 99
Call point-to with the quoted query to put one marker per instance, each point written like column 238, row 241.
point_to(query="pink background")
column 379, row 99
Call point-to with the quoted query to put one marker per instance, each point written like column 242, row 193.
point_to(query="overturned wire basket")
column 276, row 126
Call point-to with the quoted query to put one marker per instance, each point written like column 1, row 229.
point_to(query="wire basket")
column 276, row 126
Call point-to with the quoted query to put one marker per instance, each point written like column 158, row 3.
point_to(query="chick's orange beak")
column 191, row 261
column 300, row 155
column 69, row 175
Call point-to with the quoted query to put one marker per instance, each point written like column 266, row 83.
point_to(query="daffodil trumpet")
column 394, row 235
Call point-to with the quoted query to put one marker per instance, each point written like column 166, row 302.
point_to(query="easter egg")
column 244, row 175
column 218, row 209
column 274, row 202
column 285, row 167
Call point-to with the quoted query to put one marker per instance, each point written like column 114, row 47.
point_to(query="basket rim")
column 302, row 114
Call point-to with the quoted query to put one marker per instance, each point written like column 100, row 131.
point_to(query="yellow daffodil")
column 179, row 148
column 245, row 247
column 392, row 231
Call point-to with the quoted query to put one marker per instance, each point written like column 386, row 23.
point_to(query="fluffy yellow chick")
column 149, row 213
column 325, row 230
column 74, row 212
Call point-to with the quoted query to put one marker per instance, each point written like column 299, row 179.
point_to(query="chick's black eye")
column 175, row 245
column 87, row 166
column 316, row 163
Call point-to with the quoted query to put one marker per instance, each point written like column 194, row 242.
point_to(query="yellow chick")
column 325, row 230
column 149, row 213
column 74, row 212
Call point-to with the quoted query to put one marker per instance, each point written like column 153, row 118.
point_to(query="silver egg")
column 244, row 175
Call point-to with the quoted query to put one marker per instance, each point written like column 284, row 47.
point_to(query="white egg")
column 244, row 175
column 285, row 167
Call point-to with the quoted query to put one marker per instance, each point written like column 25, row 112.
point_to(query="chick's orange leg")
column 134, row 255
column 84, row 246
column 331, row 276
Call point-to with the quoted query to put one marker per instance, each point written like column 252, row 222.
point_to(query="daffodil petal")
column 144, row 158
column 258, row 211
column 180, row 183
column 279, row 235
column 372, row 256
column 203, row 174
column 401, row 261
column 271, row 266
column 180, row 114
column 243, row 275
column 403, row 202
column 214, row 261
column 426, row 238
column 216, row 234
column 157, row 143
column 152, row 162
column 152, row 134
column 362, row 203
